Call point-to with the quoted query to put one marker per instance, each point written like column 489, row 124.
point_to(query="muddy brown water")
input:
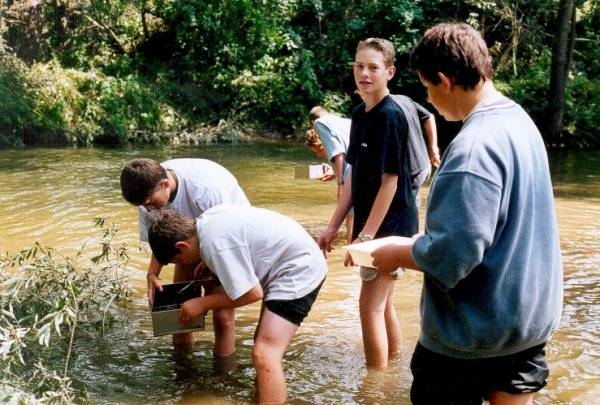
column 52, row 195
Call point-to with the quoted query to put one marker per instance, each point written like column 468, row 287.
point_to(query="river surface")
column 52, row 195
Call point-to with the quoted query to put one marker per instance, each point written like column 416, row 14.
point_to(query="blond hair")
column 312, row 139
column 382, row 45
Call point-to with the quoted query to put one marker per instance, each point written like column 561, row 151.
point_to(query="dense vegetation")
column 112, row 72
column 49, row 304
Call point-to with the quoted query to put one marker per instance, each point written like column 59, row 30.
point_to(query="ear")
column 164, row 183
column 391, row 72
column 182, row 245
column 447, row 82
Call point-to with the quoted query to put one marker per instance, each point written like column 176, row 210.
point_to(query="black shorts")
column 294, row 310
column 440, row 379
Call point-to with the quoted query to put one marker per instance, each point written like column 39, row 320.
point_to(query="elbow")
column 255, row 294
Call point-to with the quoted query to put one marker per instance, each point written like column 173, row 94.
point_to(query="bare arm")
column 152, row 274
column 388, row 258
column 192, row 309
column 344, row 204
column 432, row 143
column 338, row 167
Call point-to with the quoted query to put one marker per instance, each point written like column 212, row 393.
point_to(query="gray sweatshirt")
column 490, row 252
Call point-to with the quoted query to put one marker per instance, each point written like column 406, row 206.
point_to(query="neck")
column 470, row 98
column 173, row 183
column 371, row 100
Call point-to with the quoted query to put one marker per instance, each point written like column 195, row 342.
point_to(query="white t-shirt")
column 246, row 245
column 201, row 184
column 334, row 133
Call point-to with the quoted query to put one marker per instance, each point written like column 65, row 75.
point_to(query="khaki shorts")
column 369, row 273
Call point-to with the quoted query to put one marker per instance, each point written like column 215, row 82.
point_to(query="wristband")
column 364, row 236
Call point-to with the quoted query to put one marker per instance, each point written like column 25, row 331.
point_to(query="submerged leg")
column 273, row 334
column 372, row 305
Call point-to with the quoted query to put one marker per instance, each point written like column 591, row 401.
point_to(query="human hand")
column 385, row 258
column 153, row 282
column 325, row 239
column 348, row 260
column 190, row 311
column 434, row 156
column 328, row 173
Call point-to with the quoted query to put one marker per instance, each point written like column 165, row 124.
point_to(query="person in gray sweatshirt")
column 490, row 253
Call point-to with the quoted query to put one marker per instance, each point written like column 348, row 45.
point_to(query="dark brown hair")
column 455, row 49
column 382, row 45
column 139, row 179
column 170, row 227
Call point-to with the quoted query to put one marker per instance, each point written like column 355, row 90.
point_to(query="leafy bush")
column 274, row 91
column 16, row 102
column 46, row 302
column 582, row 112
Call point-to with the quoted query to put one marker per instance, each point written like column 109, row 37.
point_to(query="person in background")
column 490, row 254
column 332, row 134
column 189, row 186
column 419, row 121
column 314, row 143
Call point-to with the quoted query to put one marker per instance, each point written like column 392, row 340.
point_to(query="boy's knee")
column 367, row 306
column 224, row 319
column 263, row 356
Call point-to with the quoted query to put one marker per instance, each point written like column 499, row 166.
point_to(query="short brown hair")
column 139, row 179
column 382, row 45
column 312, row 139
column 455, row 49
column 170, row 227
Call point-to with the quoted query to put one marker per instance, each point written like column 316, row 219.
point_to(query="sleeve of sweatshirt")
column 461, row 222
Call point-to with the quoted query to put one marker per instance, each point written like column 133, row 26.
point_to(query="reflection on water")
column 52, row 196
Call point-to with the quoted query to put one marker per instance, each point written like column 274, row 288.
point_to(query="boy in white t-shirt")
column 189, row 186
column 256, row 254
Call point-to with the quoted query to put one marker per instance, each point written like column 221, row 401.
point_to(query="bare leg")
column 183, row 341
column 224, row 324
column 372, row 304
column 349, row 221
column 392, row 325
column 504, row 398
column 273, row 334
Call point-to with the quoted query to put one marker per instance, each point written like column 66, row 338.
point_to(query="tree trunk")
column 559, row 71
column 144, row 22
column 2, row 43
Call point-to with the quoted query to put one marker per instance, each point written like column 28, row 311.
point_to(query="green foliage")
column 274, row 91
column 46, row 302
column 15, row 103
column 113, row 72
column 582, row 112
column 52, row 105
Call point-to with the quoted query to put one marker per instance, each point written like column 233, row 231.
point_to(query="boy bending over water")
column 257, row 254
column 189, row 186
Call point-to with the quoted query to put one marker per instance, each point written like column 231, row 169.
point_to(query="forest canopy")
column 100, row 72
